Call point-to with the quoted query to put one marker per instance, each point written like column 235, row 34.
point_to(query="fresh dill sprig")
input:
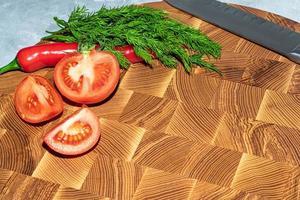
column 146, row 29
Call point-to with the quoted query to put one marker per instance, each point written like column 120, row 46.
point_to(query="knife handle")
column 295, row 54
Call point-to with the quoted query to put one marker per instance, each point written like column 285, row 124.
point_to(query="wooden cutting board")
column 168, row 135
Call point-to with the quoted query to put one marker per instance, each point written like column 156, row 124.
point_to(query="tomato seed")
column 75, row 138
column 71, row 138
column 23, row 116
column 79, row 136
column 87, row 129
column 69, row 65
column 65, row 138
column 83, row 134
column 59, row 136
column 47, row 88
column 79, row 131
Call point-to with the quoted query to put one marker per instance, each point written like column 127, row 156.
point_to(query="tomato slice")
column 87, row 78
column 36, row 100
column 76, row 134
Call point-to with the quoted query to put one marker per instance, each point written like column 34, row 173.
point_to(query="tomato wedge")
column 36, row 100
column 87, row 78
column 76, row 134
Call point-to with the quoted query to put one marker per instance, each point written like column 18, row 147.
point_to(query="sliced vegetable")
column 76, row 134
column 146, row 29
column 36, row 57
column 87, row 78
column 36, row 100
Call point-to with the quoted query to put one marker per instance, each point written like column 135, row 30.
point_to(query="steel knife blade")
column 249, row 26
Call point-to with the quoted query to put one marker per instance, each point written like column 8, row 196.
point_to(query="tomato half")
column 36, row 100
column 87, row 78
column 76, row 134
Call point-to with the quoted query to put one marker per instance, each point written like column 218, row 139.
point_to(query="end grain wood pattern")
column 169, row 135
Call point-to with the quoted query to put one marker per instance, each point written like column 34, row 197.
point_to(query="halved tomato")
column 87, row 78
column 76, row 134
column 36, row 100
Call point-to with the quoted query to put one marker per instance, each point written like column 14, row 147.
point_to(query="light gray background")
column 23, row 22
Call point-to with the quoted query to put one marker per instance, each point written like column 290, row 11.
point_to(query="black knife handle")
column 295, row 55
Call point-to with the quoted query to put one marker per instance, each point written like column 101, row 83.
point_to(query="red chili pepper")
column 129, row 53
column 36, row 57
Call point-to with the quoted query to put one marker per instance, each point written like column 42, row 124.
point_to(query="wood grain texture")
column 5, row 175
column 292, row 187
column 280, row 109
column 9, row 115
column 268, row 74
column 119, row 140
column 113, row 107
column 250, row 48
column 163, row 152
column 259, row 138
column 2, row 132
column 138, row 79
column 66, row 193
column 263, row 177
column 232, row 66
column 249, row 70
column 294, row 86
column 113, row 178
column 169, row 135
column 70, row 172
column 192, row 89
column 226, row 39
column 156, row 184
column 194, row 123
column 149, row 112
column 19, row 187
column 204, row 190
column 15, row 146
column 237, row 99
column 222, row 164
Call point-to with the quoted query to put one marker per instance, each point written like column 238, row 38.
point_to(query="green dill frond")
column 124, row 63
column 197, row 60
column 148, row 30
column 141, row 52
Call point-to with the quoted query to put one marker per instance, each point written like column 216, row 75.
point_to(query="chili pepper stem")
column 13, row 65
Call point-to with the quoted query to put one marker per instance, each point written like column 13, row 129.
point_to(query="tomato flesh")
column 76, row 134
column 88, row 78
column 36, row 100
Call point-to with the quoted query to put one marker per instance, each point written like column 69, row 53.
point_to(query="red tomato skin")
column 87, row 99
column 39, row 56
column 57, row 110
column 49, row 139
column 33, row 58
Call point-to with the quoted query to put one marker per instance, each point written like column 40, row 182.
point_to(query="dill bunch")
column 146, row 29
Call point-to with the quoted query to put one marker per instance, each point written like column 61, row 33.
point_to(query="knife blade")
column 249, row 26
